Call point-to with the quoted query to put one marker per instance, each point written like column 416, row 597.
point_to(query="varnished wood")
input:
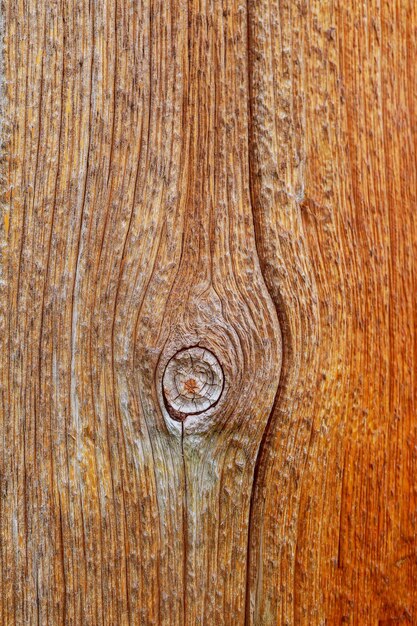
column 234, row 184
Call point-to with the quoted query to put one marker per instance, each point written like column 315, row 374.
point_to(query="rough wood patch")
column 233, row 177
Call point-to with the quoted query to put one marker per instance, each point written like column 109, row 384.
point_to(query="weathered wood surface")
column 235, row 176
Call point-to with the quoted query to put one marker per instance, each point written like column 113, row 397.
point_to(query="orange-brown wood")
column 208, row 313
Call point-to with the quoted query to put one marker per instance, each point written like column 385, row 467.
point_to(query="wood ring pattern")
column 193, row 382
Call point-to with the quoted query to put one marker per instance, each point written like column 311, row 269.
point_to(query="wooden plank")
column 131, row 238
column 208, row 316
column 333, row 99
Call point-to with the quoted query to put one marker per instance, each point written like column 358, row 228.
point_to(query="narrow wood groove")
column 185, row 526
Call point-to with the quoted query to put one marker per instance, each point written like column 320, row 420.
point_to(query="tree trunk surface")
column 208, row 327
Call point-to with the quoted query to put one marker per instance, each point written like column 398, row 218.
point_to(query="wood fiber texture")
column 234, row 176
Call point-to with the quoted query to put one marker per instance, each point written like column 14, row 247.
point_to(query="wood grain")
column 333, row 101
column 236, row 177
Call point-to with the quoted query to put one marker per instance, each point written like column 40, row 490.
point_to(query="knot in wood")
column 192, row 382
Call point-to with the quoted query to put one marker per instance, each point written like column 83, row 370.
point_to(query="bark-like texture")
column 234, row 176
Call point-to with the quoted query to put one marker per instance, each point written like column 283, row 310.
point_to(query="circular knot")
column 192, row 382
